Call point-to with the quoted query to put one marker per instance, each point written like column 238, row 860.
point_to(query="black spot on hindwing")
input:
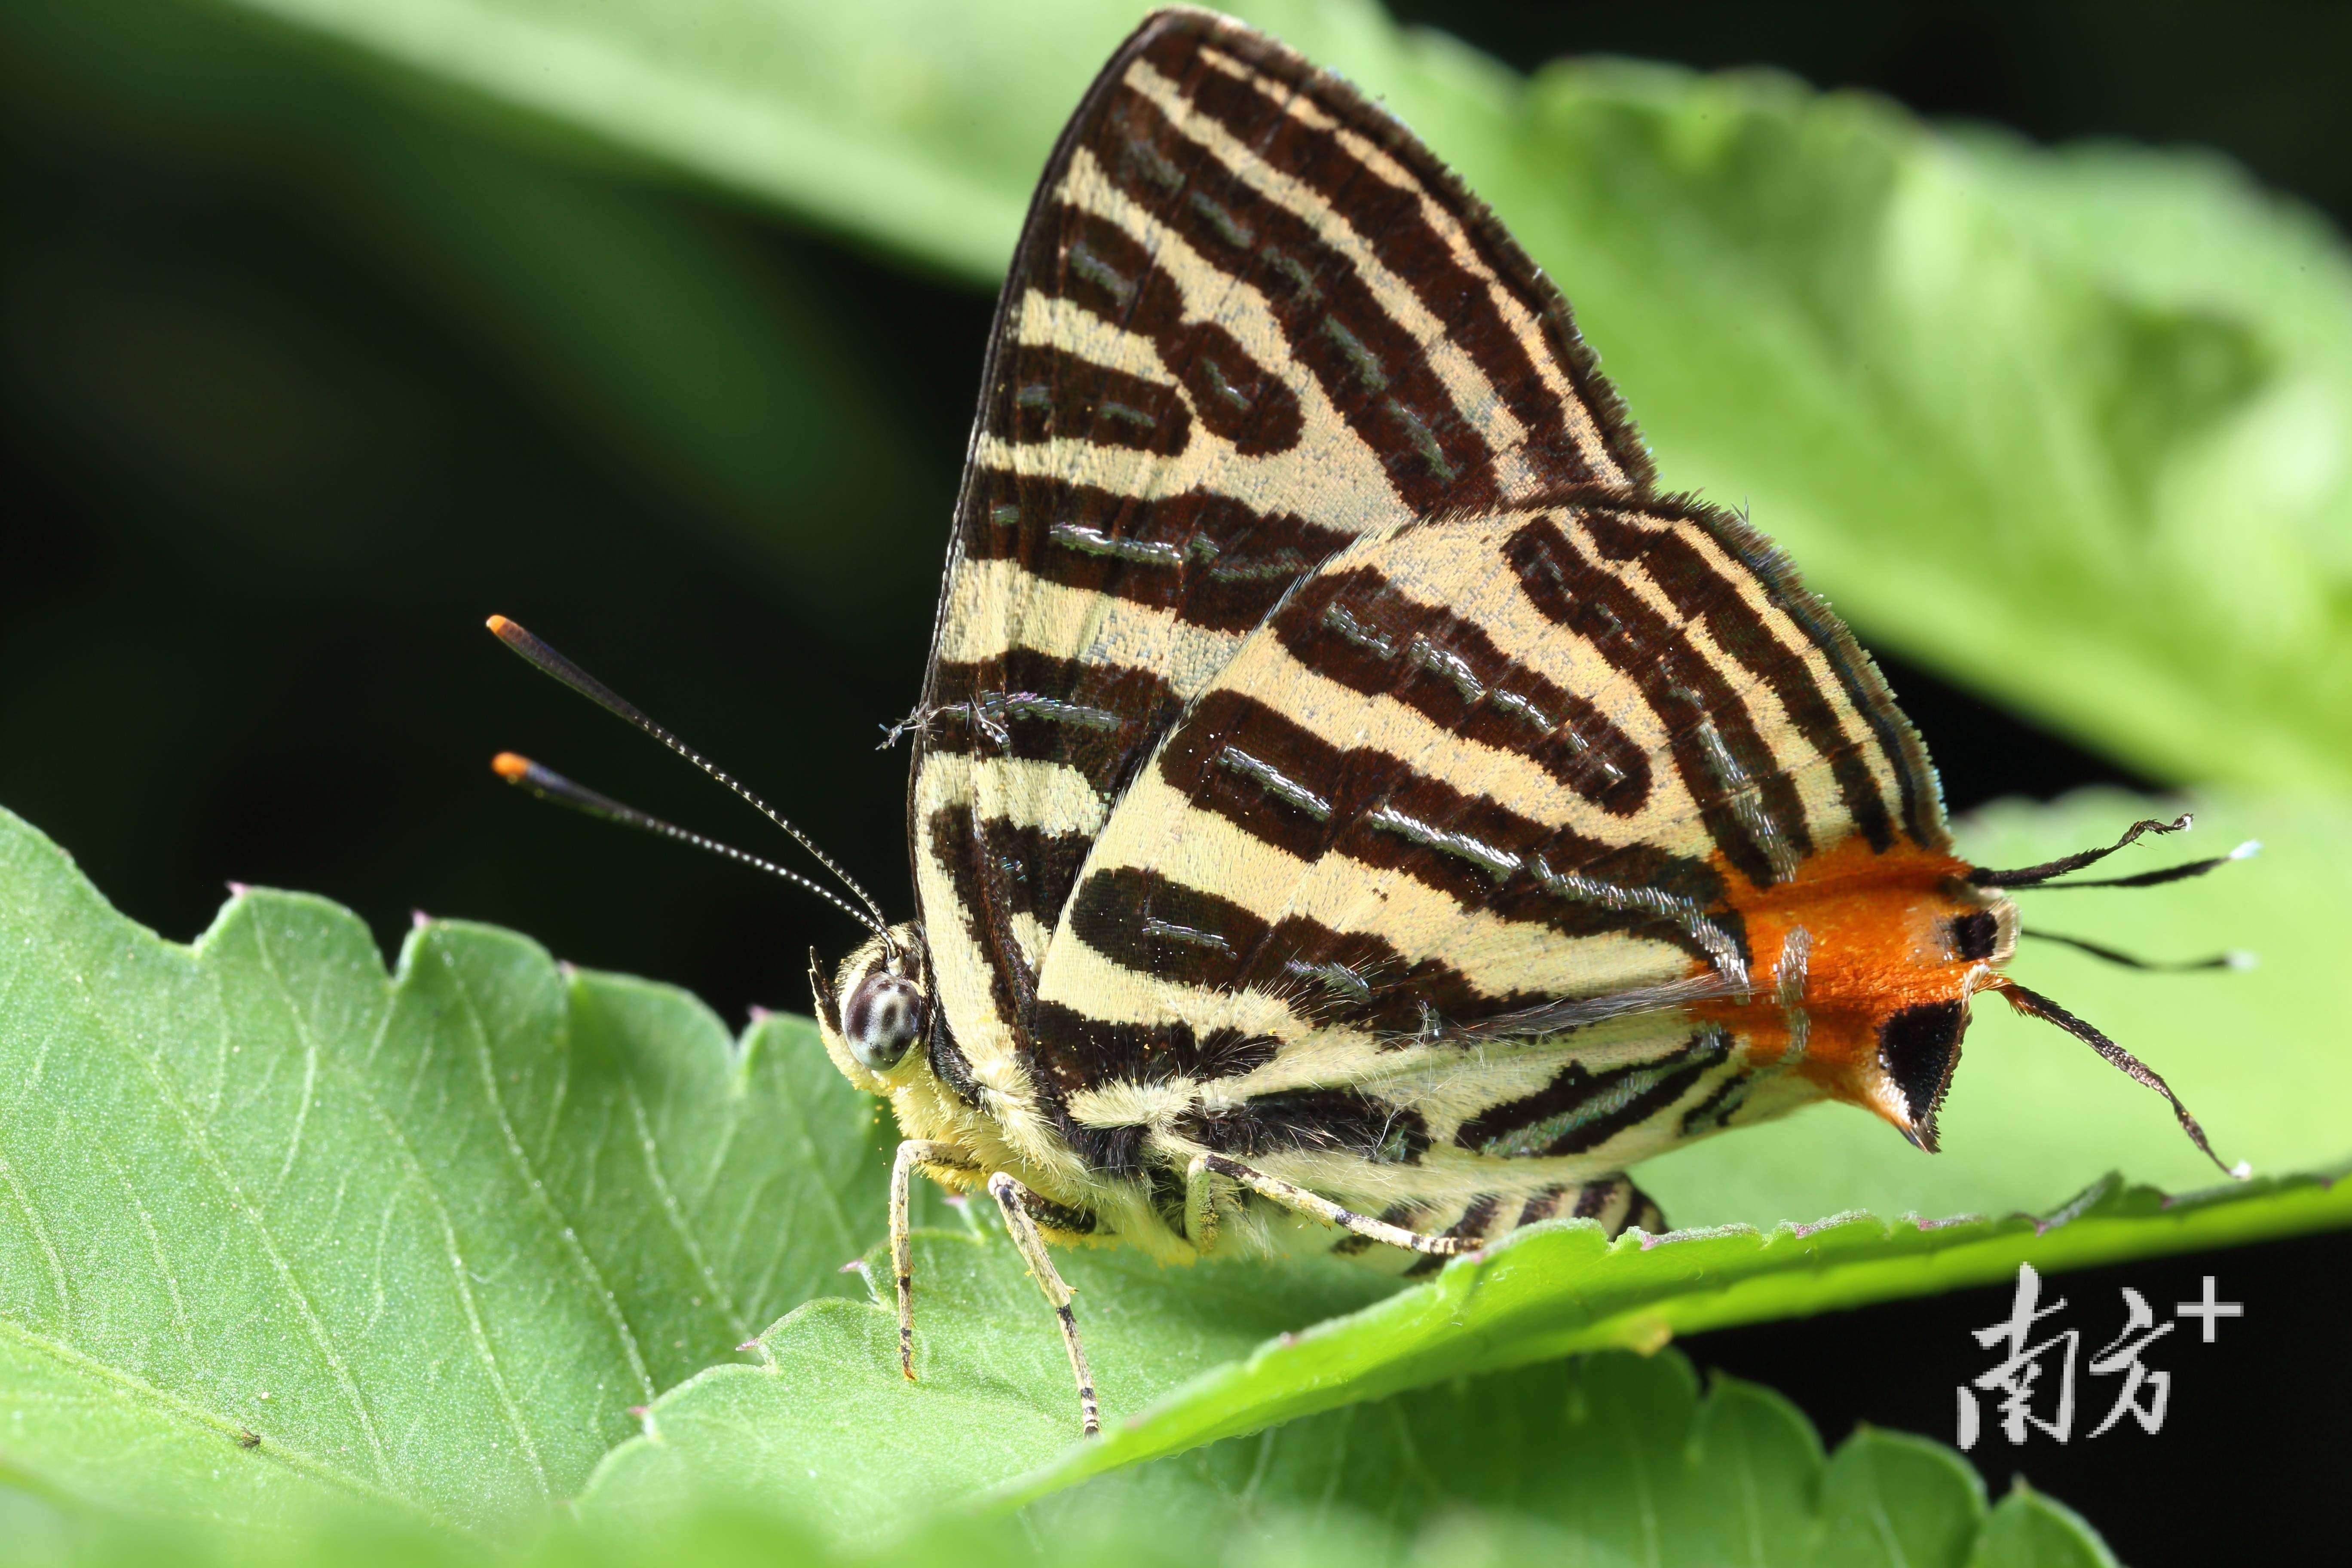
column 1920, row 1046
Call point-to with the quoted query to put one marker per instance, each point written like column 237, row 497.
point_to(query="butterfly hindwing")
column 1251, row 319
column 1472, row 768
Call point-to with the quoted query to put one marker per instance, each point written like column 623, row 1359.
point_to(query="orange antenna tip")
column 554, row 786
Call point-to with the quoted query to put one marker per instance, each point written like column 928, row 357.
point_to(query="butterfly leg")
column 1200, row 1189
column 914, row 1152
column 1011, row 1196
column 1199, row 1203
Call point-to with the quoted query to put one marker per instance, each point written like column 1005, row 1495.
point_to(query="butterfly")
column 1348, row 799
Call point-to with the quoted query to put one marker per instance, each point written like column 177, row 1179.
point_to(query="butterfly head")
column 876, row 1008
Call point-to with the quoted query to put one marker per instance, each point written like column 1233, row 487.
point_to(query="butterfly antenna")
column 2044, row 874
column 2034, row 1005
column 547, row 661
column 549, row 784
column 2231, row 960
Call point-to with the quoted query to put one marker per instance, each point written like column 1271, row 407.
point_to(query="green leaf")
column 1610, row 1458
column 2106, row 494
column 1174, row 1359
column 2004, row 406
column 1891, row 1498
column 426, row 1237
column 1613, row 1459
column 2030, row 1530
column 828, row 1421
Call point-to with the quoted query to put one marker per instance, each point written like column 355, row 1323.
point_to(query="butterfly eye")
column 884, row 1016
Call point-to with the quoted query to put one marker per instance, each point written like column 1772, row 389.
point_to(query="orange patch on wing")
column 1879, row 925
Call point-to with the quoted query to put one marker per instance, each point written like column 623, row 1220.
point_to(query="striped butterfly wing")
column 1250, row 320
column 1433, row 871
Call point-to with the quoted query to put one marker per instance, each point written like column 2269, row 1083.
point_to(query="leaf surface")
column 1610, row 1458
column 994, row 1411
column 425, row 1237
column 1615, row 1459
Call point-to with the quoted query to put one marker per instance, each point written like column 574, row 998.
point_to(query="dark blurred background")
column 308, row 368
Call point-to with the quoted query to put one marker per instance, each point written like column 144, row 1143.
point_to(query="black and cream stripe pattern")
column 1320, row 687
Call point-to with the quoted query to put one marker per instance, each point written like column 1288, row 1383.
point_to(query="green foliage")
column 715, row 377
column 2068, row 427
column 1185, row 1359
column 828, row 1423
column 1614, row 1460
column 428, row 1238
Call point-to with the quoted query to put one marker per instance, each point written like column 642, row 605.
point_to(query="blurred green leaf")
column 275, row 1227
column 2071, row 428
column 720, row 373
column 2111, row 500
column 708, row 370
column 2030, row 1530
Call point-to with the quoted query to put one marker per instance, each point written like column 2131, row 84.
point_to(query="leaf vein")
column 566, row 1236
column 676, row 1215
column 59, row 1280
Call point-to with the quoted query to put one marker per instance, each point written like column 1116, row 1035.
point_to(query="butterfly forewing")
column 1250, row 319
